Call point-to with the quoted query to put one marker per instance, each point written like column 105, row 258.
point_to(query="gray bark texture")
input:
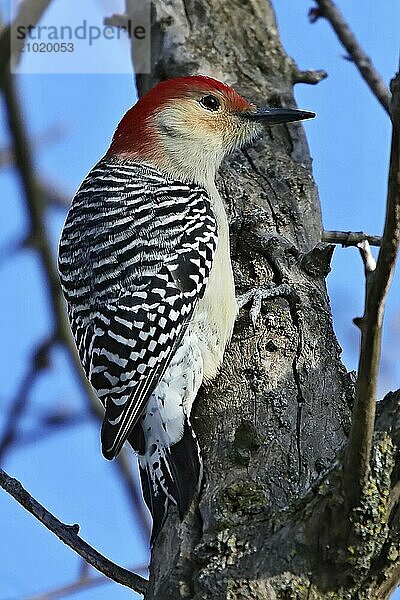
column 271, row 521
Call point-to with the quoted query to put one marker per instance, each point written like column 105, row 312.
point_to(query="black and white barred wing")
column 131, row 351
column 135, row 257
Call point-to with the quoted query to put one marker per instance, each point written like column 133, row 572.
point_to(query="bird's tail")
column 170, row 475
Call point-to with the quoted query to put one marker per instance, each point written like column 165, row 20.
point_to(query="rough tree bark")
column 271, row 520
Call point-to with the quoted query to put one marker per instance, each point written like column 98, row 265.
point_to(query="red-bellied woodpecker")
column 145, row 268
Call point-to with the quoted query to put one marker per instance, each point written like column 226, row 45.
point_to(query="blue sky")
column 349, row 143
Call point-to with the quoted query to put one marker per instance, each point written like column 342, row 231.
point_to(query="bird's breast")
column 216, row 312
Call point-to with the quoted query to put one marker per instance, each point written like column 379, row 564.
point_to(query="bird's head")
column 187, row 125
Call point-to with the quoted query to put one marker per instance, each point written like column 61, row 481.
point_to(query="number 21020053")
column 47, row 47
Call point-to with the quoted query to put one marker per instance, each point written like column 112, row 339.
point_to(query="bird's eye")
column 210, row 103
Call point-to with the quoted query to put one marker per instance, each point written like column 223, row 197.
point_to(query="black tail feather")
column 177, row 480
column 187, row 469
column 156, row 503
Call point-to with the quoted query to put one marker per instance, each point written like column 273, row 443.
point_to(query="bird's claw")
column 266, row 292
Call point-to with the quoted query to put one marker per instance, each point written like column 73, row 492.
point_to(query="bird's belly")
column 172, row 399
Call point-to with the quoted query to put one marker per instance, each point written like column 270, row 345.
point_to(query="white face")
column 201, row 128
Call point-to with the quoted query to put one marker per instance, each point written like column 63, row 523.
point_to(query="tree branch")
column 69, row 535
column 124, row 467
column 40, row 361
column 51, row 194
column 36, row 210
column 41, row 433
column 80, row 585
column 29, row 13
column 85, row 582
column 311, row 77
column 328, row 10
column 38, row 237
column 377, row 285
column 349, row 238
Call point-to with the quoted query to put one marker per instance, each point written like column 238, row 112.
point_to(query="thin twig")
column 38, row 237
column 29, row 13
column 311, row 77
column 69, row 535
column 84, row 570
column 39, row 363
column 82, row 584
column 39, row 434
column 358, row 451
column 48, row 137
column 128, row 479
column 349, row 238
column 328, row 10
column 124, row 466
column 51, row 194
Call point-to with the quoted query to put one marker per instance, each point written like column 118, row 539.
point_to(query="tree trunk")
column 268, row 523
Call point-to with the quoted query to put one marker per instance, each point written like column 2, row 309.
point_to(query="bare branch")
column 46, row 138
column 29, row 13
column 349, row 238
column 80, row 585
column 310, row 77
column 124, row 467
column 43, row 432
column 38, row 236
column 69, row 535
column 124, row 470
column 39, row 363
column 51, row 194
column 328, row 10
column 34, row 200
column 377, row 286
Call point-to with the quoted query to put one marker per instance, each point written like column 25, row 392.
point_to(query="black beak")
column 273, row 116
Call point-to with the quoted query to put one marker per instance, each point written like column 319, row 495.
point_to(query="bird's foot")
column 266, row 292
